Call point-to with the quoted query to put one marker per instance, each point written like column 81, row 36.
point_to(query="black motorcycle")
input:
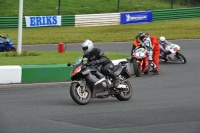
column 85, row 85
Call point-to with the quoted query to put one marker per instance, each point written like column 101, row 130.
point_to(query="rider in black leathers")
column 95, row 56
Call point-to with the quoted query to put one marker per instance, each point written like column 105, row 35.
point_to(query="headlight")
column 78, row 69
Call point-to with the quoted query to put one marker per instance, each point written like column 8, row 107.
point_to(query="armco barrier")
column 171, row 14
column 12, row 22
column 108, row 18
column 97, row 19
column 68, row 20
column 41, row 73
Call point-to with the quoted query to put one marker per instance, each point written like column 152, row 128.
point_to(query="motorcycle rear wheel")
column 125, row 95
column 11, row 49
column 81, row 98
column 136, row 68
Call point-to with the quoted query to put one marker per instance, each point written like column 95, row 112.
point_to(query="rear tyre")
column 136, row 68
column 13, row 49
column 126, row 75
column 125, row 95
column 78, row 96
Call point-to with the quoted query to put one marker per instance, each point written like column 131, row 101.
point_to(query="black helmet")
column 141, row 35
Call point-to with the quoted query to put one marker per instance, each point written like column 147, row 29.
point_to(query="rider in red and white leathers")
column 146, row 42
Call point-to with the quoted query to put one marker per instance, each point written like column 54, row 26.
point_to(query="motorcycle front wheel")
column 136, row 68
column 80, row 97
column 181, row 58
column 125, row 95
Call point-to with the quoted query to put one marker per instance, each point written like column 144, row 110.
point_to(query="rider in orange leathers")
column 156, row 50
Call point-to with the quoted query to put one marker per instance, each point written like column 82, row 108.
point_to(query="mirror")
column 69, row 64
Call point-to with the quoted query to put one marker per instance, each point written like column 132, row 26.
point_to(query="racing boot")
column 116, row 82
column 165, row 55
column 152, row 70
column 155, row 72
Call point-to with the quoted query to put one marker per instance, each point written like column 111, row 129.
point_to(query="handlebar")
column 123, row 62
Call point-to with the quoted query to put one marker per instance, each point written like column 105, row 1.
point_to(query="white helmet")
column 162, row 39
column 87, row 46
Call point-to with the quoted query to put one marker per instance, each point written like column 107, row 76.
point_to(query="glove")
column 152, row 64
column 133, row 52
column 93, row 62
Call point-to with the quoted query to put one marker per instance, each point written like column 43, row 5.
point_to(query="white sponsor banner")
column 37, row 21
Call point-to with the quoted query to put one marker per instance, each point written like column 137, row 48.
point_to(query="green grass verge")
column 176, row 29
column 51, row 57
column 71, row 7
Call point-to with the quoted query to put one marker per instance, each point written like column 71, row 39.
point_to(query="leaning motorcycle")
column 85, row 85
column 140, row 61
column 175, row 54
column 6, row 44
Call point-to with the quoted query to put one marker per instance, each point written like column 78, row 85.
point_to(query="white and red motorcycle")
column 140, row 61
column 174, row 54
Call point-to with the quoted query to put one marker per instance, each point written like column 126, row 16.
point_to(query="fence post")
column 58, row 7
column 118, row 5
column 172, row 2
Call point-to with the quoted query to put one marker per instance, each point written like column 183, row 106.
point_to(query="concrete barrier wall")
column 10, row 74
column 45, row 73
column 41, row 73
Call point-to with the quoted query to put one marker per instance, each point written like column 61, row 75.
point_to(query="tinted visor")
column 84, row 48
column 162, row 42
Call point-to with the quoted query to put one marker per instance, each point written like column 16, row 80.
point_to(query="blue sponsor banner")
column 37, row 21
column 136, row 17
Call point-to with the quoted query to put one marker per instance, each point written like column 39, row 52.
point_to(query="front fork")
column 82, row 84
column 177, row 53
column 143, row 65
column 140, row 63
column 146, row 65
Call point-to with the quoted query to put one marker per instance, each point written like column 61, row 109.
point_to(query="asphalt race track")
column 164, row 103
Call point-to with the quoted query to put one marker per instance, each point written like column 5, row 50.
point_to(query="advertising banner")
column 136, row 17
column 38, row 21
